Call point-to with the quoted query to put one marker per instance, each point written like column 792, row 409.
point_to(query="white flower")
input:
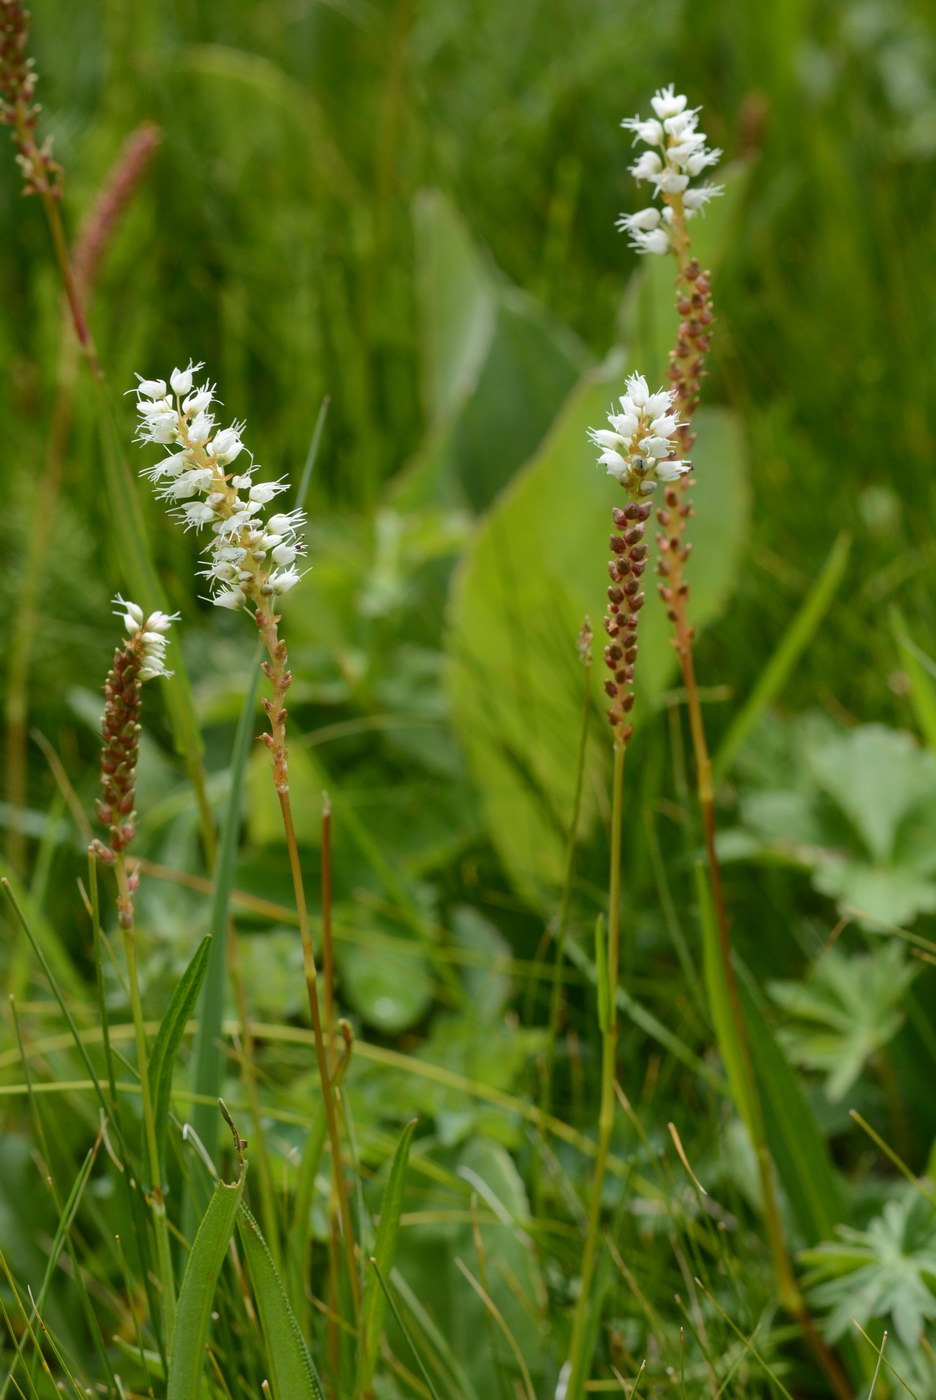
column 649, row 130
column 232, row 598
column 181, row 379
column 227, row 445
column 284, row 579
column 199, row 401
column 201, row 428
column 264, row 491
column 666, row 103
column 672, row 470
column 671, row 182
column 700, row 196
column 152, row 388
column 647, row 167
column 637, row 391
column 658, row 241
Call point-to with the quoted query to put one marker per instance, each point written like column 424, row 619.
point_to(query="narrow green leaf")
column 794, row 642
column 209, row 1068
column 292, row 1370
column 300, row 1232
column 726, row 1031
column 198, row 1288
column 168, row 1040
column 921, row 670
column 796, row 1144
column 375, row 1301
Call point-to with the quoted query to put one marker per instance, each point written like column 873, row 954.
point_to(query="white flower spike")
column 678, row 155
column 149, row 633
column 249, row 560
column 636, row 448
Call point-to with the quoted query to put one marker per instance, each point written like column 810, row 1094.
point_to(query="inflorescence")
column 41, row 174
column 636, row 449
column 142, row 657
column 677, row 154
column 250, row 560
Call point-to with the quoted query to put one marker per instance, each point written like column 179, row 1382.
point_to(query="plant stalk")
column 579, row 1357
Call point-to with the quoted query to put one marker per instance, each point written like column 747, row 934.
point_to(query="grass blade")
column 166, row 1046
column 795, row 640
column 198, row 1286
column 292, row 1369
column 208, row 1054
column 922, row 673
column 375, row 1301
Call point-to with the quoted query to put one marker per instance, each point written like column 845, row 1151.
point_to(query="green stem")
column 154, row 1196
column 321, row 1054
column 579, row 1355
column 556, row 989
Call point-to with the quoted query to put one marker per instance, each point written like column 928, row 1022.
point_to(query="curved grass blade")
column 375, row 1300
column 198, row 1286
column 166, row 1046
column 208, row 1053
column 292, row 1369
column 794, row 642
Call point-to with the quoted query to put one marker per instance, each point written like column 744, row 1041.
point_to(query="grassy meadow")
column 387, row 228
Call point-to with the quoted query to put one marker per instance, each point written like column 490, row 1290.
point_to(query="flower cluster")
column 142, row 657
column 146, row 637
column 677, row 154
column 17, row 108
column 636, row 448
column 249, row 559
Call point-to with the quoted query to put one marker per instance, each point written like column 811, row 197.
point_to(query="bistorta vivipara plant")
column 638, row 449
column 140, row 658
column 251, row 560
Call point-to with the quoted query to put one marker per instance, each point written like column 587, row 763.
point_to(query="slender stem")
column 154, row 1195
column 556, row 989
column 328, row 950
column 579, row 1358
column 311, row 978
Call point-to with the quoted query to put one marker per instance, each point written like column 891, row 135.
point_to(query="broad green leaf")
column 849, row 1008
column 292, row 1370
column 536, row 567
column 168, row 1040
column 497, row 364
column 457, row 304
column 390, row 988
column 187, row 1357
column 375, row 1300
column 875, row 776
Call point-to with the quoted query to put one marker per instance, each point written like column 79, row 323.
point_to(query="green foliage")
column 853, row 806
column 196, row 1299
column 849, row 1008
column 886, row 1272
column 292, row 1368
